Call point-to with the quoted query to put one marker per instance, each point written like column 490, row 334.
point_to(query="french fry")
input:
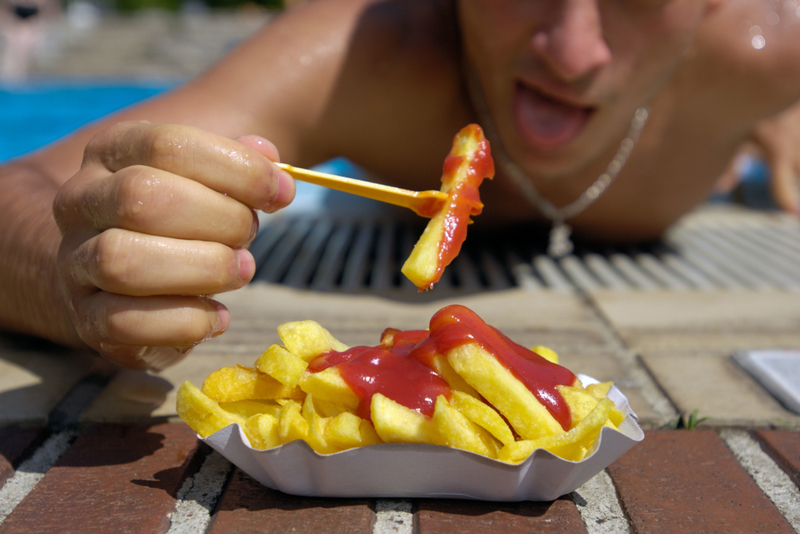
column 201, row 413
column 580, row 402
column 599, row 390
column 395, row 423
column 347, row 430
column 291, row 423
column 263, row 431
column 237, row 382
column 282, row 365
column 248, row 408
column 460, row 432
column 308, row 339
column 466, row 167
column 316, row 435
column 497, row 385
column 482, row 415
column 330, row 386
column 344, row 431
column 615, row 417
column 453, row 379
column 330, row 409
column 316, row 428
column 570, row 445
column 546, row 352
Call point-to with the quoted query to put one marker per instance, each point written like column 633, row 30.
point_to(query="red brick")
column 114, row 478
column 457, row 516
column 784, row 447
column 15, row 443
column 247, row 506
column 688, row 481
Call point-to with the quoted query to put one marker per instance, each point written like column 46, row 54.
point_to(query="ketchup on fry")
column 465, row 167
column 390, row 370
column 401, row 369
column 464, row 199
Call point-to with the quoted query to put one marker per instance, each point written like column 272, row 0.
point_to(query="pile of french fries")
column 490, row 412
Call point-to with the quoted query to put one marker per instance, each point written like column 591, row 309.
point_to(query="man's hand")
column 156, row 220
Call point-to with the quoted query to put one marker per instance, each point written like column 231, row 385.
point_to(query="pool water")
column 33, row 115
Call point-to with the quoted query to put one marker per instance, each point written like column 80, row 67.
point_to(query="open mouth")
column 545, row 122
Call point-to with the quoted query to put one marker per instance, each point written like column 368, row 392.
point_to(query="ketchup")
column 392, row 371
column 463, row 198
column 401, row 367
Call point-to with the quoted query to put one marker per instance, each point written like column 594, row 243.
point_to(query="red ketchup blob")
column 401, row 367
column 392, row 371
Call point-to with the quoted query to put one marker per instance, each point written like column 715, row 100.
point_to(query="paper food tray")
column 416, row 471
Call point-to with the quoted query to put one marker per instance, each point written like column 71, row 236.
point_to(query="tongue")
column 546, row 122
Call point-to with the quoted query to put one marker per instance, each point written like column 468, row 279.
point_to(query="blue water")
column 34, row 115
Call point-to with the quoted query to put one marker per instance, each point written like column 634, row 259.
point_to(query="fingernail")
column 253, row 228
column 284, row 193
column 251, row 140
column 223, row 319
column 247, row 265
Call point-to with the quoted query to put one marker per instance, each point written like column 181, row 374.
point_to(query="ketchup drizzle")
column 401, row 367
column 463, row 198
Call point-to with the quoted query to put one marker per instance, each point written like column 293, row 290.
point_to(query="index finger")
column 242, row 172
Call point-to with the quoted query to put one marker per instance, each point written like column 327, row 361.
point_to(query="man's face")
column 562, row 78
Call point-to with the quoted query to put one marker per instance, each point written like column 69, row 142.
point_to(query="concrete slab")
column 558, row 320
column 148, row 44
column 516, row 308
column 34, row 380
column 716, row 387
column 702, row 320
column 554, row 318
column 138, row 396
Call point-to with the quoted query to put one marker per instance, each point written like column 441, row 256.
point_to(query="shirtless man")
column 154, row 217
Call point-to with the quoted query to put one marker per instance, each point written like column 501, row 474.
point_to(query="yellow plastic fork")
column 423, row 203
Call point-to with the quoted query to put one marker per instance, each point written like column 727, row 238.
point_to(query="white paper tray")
column 413, row 470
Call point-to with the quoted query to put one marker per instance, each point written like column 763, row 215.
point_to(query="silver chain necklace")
column 560, row 243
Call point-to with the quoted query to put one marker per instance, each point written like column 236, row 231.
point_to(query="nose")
column 570, row 41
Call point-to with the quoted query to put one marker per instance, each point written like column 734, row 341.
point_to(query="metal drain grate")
column 714, row 249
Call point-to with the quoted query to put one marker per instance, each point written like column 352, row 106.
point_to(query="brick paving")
column 784, row 448
column 15, row 443
column 454, row 516
column 688, row 481
column 114, row 478
column 247, row 506
column 125, row 478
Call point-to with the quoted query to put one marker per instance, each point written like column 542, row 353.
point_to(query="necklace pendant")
column 560, row 244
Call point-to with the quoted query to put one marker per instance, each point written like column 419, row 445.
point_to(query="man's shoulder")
column 409, row 31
